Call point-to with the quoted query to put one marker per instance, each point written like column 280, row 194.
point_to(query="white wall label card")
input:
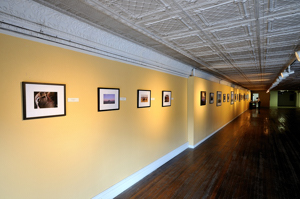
column 122, row 98
column 152, row 98
column 73, row 99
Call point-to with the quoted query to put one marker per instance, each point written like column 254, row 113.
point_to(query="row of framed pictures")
column 234, row 97
column 42, row 100
column 109, row 99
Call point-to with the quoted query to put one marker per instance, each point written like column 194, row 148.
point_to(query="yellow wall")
column 209, row 118
column 86, row 151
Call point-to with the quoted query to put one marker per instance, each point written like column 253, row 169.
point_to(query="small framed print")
column 41, row 100
column 143, row 98
column 166, row 98
column 211, row 98
column 224, row 97
column 203, row 98
column 219, row 98
column 228, row 97
column 108, row 99
column 232, row 98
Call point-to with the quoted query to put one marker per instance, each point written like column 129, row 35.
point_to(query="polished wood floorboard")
column 255, row 156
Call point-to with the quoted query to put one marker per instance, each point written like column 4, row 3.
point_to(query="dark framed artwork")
column 224, row 97
column 166, row 98
column 228, row 97
column 143, row 98
column 232, row 98
column 203, row 98
column 235, row 97
column 41, row 100
column 211, row 98
column 219, row 98
column 108, row 99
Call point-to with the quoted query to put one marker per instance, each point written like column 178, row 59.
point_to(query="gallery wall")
column 205, row 120
column 85, row 152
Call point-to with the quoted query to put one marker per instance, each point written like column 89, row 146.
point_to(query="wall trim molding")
column 201, row 141
column 134, row 178
column 45, row 25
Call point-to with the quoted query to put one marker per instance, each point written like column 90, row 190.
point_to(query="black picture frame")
column 219, row 98
column 232, row 98
column 224, row 97
column 43, row 100
column 228, row 97
column 143, row 98
column 203, row 98
column 108, row 99
column 211, row 98
column 166, row 98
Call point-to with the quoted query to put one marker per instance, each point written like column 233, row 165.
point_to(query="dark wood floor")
column 255, row 156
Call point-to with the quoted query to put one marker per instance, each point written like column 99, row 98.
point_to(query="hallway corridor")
column 255, row 156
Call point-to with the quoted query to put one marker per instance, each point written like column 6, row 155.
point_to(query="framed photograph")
column 108, row 99
column 211, row 98
column 244, row 96
column 232, row 98
column 235, row 97
column 219, row 98
column 228, row 97
column 143, row 98
column 224, row 97
column 203, row 98
column 166, row 98
column 41, row 100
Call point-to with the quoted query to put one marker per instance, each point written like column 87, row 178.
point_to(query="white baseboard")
column 201, row 141
column 134, row 178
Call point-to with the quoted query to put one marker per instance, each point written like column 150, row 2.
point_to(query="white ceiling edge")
column 30, row 20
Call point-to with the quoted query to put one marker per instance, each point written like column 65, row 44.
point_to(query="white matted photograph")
column 108, row 99
column 166, row 98
column 219, row 98
column 143, row 98
column 41, row 100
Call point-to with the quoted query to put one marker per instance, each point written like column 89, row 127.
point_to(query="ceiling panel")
column 246, row 42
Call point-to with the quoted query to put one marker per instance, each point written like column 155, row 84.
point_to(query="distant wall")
column 204, row 120
column 264, row 98
column 273, row 98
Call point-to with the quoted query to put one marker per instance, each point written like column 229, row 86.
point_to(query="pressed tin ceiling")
column 246, row 42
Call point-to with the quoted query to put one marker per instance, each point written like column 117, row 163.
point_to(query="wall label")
column 73, row 99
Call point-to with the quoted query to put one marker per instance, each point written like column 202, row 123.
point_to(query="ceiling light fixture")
column 297, row 53
column 282, row 76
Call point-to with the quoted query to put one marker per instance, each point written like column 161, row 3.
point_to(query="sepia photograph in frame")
column 143, row 98
column 166, row 98
column 42, row 100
